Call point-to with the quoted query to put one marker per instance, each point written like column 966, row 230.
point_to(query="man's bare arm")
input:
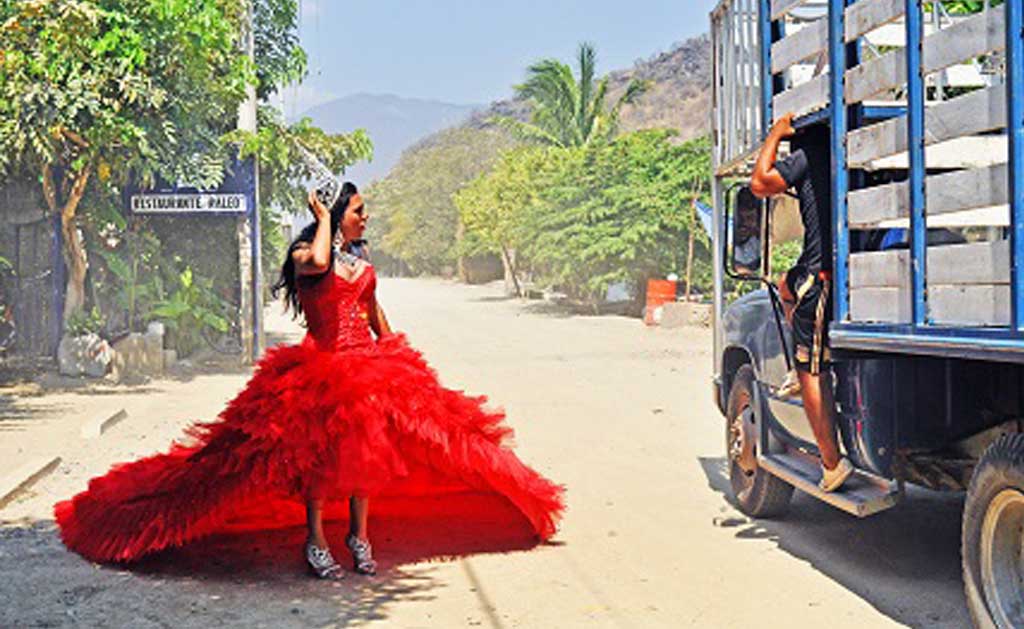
column 766, row 180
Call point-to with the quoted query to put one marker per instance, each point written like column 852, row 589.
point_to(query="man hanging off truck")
column 805, row 287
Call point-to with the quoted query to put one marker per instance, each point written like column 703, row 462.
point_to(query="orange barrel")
column 659, row 293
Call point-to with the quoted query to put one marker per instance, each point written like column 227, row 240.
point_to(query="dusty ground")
column 620, row 413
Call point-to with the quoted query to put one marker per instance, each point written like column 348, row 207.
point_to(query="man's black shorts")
column 810, row 318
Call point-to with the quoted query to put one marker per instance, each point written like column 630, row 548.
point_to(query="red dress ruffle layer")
column 334, row 416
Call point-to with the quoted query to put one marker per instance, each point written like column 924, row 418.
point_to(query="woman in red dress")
column 338, row 418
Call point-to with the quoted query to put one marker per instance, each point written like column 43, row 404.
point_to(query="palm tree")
column 567, row 112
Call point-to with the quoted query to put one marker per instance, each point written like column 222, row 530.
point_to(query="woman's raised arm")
column 315, row 258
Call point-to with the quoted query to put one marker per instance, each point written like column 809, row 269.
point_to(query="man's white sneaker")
column 834, row 478
column 790, row 386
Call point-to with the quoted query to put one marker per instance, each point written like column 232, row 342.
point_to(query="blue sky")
column 467, row 52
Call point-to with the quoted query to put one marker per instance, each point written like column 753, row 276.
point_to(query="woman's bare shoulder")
column 303, row 257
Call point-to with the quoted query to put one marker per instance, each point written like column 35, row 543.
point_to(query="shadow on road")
column 247, row 577
column 566, row 309
column 905, row 562
column 16, row 416
column 490, row 299
column 240, row 580
column 403, row 531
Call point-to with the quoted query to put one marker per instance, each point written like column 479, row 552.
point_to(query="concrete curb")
column 22, row 478
column 94, row 428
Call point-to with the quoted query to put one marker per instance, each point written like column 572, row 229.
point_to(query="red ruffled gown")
column 336, row 415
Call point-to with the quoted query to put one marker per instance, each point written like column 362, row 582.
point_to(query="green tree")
column 140, row 88
column 279, row 57
column 614, row 212
column 569, row 110
column 414, row 215
column 491, row 206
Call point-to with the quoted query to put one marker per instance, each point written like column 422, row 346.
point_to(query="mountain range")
column 679, row 97
column 393, row 123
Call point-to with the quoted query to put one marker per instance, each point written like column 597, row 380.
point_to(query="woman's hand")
column 319, row 210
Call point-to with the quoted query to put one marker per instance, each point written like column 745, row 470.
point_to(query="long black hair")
column 288, row 281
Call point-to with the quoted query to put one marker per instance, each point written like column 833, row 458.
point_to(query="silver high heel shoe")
column 322, row 563
column 362, row 555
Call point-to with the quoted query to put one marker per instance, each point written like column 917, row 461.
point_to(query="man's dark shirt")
column 807, row 168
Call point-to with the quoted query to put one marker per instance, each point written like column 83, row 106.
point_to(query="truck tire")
column 758, row 493
column 992, row 536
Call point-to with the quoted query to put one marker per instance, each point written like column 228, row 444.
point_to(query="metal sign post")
column 247, row 121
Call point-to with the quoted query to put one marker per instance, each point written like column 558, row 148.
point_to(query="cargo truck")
column 923, row 104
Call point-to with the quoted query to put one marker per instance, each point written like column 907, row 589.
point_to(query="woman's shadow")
column 403, row 531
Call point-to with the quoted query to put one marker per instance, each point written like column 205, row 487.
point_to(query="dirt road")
column 620, row 413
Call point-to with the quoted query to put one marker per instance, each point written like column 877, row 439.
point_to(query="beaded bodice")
column 337, row 311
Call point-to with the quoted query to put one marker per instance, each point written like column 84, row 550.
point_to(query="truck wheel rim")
column 1002, row 558
column 742, row 437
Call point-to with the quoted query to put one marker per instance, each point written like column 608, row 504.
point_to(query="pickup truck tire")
column 992, row 536
column 757, row 493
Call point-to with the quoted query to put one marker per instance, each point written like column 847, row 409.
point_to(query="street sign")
column 189, row 203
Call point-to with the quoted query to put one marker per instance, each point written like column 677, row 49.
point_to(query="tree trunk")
column 689, row 258
column 460, row 262
column 73, row 249
column 77, row 264
column 508, row 260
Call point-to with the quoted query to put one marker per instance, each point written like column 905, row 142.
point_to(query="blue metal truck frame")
column 917, row 402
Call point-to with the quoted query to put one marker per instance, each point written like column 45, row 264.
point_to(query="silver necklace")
column 343, row 256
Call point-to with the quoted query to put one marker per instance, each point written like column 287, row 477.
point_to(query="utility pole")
column 248, row 225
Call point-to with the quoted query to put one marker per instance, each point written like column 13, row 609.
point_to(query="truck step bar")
column 862, row 495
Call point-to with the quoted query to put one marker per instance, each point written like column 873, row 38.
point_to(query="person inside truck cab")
column 747, row 247
column 806, row 286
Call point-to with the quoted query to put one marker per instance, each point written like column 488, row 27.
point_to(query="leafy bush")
column 191, row 311
column 82, row 322
column 129, row 280
column 967, row 6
